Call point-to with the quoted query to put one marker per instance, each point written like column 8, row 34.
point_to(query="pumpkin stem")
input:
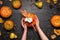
column 24, row 13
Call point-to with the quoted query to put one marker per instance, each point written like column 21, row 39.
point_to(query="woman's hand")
column 25, row 29
column 23, row 24
column 41, row 33
column 37, row 22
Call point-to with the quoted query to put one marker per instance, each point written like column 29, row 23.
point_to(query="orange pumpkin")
column 55, row 20
column 6, row 11
column 29, row 15
column 57, row 31
column 16, row 4
column 9, row 25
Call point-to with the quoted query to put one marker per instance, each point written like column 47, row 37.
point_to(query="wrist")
column 25, row 29
column 38, row 27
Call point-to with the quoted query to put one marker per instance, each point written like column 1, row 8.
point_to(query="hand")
column 23, row 24
column 41, row 33
column 37, row 22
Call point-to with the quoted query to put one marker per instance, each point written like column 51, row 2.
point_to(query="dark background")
column 43, row 14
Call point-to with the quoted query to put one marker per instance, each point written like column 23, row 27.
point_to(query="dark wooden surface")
column 43, row 14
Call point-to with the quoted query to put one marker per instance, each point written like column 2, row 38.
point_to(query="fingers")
column 37, row 20
column 23, row 24
column 22, row 21
column 34, row 28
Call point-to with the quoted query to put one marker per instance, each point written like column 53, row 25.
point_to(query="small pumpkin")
column 16, row 4
column 57, row 31
column 9, row 25
column 39, row 4
column 31, row 15
column 48, row 1
column 6, row 12
column 1, row 20
column 55, row 1
column 55, row 21
column 13, row 36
